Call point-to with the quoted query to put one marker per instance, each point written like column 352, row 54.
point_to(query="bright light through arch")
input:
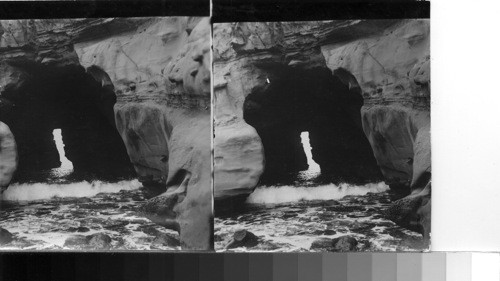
column 313, row 166
column 65, row 163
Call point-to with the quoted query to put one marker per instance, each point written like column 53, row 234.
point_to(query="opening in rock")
column 66, row 165
column 66, row 103
column 326, row 106
column 313, row 168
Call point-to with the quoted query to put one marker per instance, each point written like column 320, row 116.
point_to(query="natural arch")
column 80, row 104
column 324, row 104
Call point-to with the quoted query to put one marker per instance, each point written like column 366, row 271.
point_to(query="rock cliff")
column 128, row 94
column 379, row 87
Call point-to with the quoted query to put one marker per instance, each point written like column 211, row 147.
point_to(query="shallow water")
column 290, row 218
column 41, row 216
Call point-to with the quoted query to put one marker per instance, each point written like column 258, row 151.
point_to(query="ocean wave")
column 287, row 193
column 43, row 191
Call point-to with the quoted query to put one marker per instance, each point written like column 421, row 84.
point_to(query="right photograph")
column 322, row 136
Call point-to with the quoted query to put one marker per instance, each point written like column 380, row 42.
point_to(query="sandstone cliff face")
column 153, row 80
column 393, row 70
column 386, row 62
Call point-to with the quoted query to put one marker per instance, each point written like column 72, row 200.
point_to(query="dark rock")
column 322, row 244
column 5, row 236
column 340, row 244
column 243, row 238
column 79, row 229
column 330, row 203
column 99, row 241
column 76, row 242
column 344, row 244
column 218, row 238
column 164, row 239
column 99, row 206
column 329, row 232
column 149, row 230
column 413, row 212
column 116, row 225
column 8, row 154
column 42, row 212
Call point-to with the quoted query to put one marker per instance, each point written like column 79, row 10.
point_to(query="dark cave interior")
column 325, row 104
column 78, row 102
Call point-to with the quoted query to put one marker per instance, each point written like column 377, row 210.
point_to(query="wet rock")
column 322, row 244
column 243, row 238
column 218, row 238
column 339, row 244
column 329, row 232
column 149, row 230
column 42, row 212
column 330, row 203
column 99, row 241
column 115, row 225
column 5, row 236
column 79, row 229
column 99, row 206
column 76, row 242
column 344, row 244
column 413, row 212
column 287, row 215
column 164, row 239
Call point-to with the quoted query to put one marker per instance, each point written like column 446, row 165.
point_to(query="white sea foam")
column 42, row 191
column 286, row 193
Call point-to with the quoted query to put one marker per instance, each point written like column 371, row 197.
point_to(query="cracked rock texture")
column 158, row 69
column 390, row 62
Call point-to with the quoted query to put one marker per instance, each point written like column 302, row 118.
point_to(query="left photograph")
column 105, row 134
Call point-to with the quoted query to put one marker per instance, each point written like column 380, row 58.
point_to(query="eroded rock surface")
column 150, row 83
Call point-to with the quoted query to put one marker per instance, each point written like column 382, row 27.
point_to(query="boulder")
column 8, row 156
column 99, row 241
column 322, row 244
column 243, row 238
column 344, row 244
column 164, row 239
column 340, row 244
column 96, row 241
column 79, row 242
column 239, row 160
column 5, row 236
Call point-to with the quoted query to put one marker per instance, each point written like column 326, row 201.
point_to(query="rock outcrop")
column 150, row 82
column 243, row 238
column 383, row 62
column 8, row 156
